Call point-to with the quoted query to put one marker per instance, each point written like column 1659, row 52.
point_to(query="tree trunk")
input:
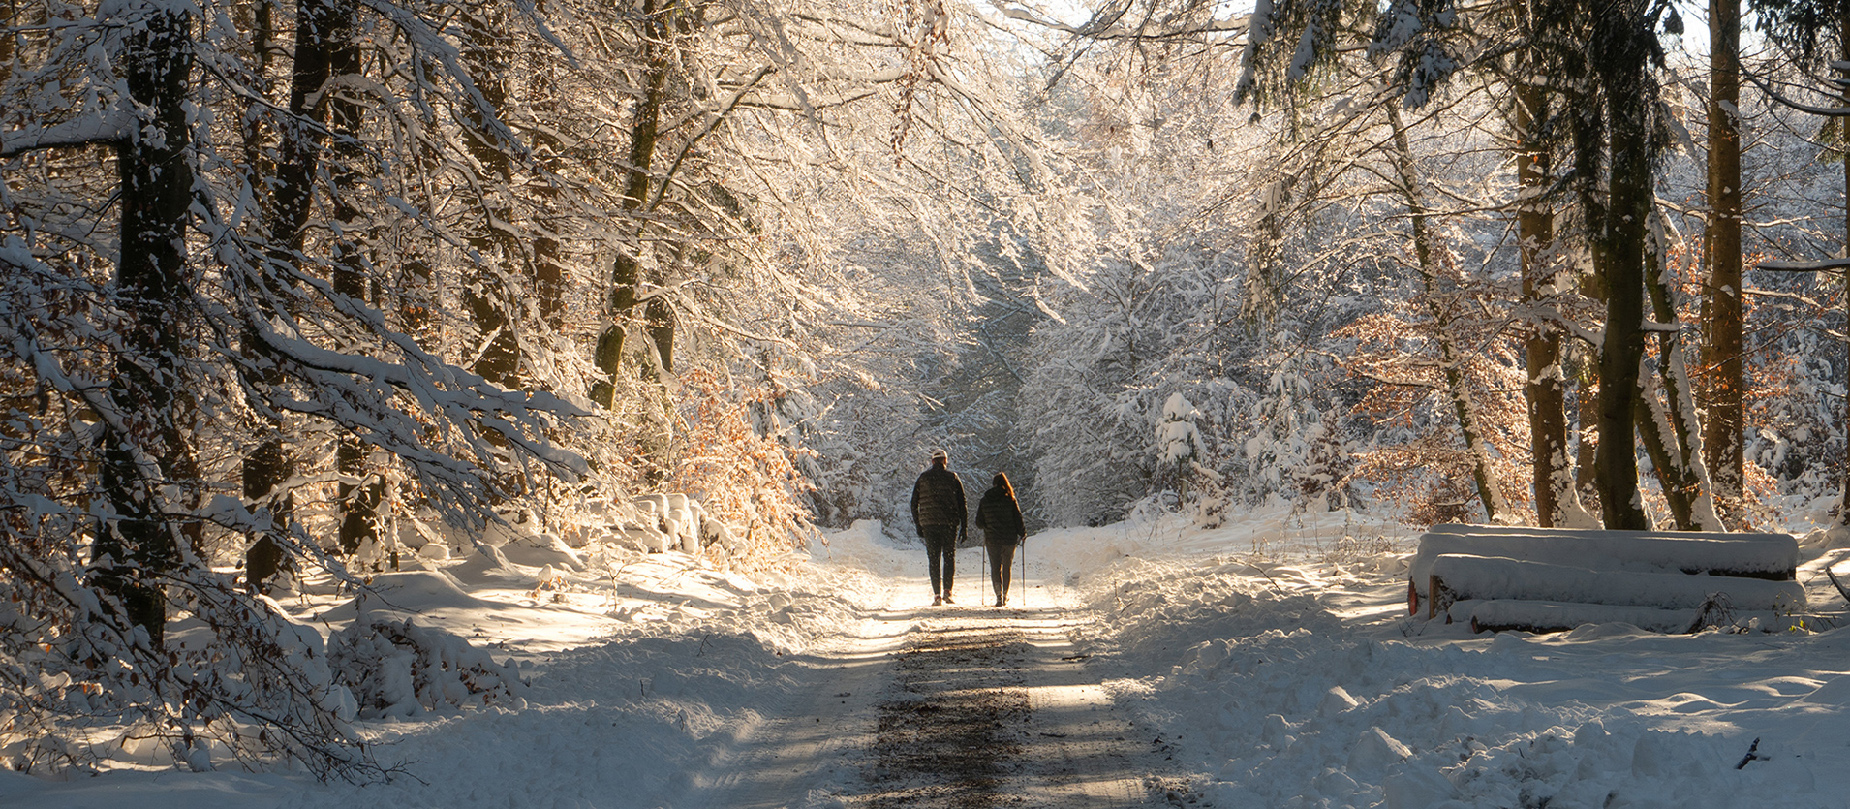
column 1451, row 362
column 1653, row 425
column 1652, row 417
column 318, row 32
column 133, row 551
column 486, row 58
column 413, row 288
column 1674, row 417
column 625, row 274
column 9, row 10
column 1843, row 507
column 1545, row 389
column 1722, row 351
column 251, row 127
column 548, row 253
column 361, row 489
column 1584, row 112
column 1620, row 40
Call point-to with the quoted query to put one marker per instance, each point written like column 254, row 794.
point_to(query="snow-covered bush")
column 235, row 680
column 398, row 669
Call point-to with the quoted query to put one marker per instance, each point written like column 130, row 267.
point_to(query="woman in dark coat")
column 1000, row 518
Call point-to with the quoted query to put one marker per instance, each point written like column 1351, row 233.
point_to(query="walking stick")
column 987, row 586
column 1024, row 571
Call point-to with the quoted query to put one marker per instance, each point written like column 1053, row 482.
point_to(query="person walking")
column 940, row 514
column 999, row 515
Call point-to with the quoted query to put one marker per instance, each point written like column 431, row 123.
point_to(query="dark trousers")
column 1001, row 561
column 940, row 552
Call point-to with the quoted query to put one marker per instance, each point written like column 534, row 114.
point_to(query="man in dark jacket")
column 939, row 512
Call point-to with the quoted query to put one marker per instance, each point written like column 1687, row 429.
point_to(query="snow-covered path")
column 965, row 706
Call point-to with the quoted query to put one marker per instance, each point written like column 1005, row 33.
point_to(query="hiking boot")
column 937, row 601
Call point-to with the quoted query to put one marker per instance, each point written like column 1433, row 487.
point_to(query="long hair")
column 1002, row 482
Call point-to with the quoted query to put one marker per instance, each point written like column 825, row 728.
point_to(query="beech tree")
column 1722, row 349
column 143, row 446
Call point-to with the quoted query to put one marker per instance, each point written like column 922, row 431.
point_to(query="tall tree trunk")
column 318, row 32
column 9, row 10
column 251, row 129
column 1722, row 350
column 413, row 288
column 1584, row 110
column 1450, row 360
column 626, row 271
column 486, row 57
column 1668, row 459
column 361, row 489
column 1653, row 424
column 1584, row 360
column 1674, row 416
column 548, row 252
column 1843, row 507
column 155, row 166
column 1545, row 389
column 1620, row 42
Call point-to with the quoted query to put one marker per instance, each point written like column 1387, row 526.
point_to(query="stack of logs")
column 1555, row 579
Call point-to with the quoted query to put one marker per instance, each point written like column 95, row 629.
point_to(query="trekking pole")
column 987, row 586
column 1024, row 572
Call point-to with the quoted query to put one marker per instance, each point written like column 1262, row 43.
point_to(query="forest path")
column 961, row 707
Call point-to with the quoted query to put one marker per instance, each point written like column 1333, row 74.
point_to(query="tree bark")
column 1545, row 389
column 1620, row 44
column 251, row 127
column 1674, row 417
column 626, row 272
column 1653, row 424
column 361, row 489
column 1584, row 110
column 486, row 59
column 134, row 550
column 1843, row 507
column 548, row 252
column 319, row 27
column 1450, row 360
column 9, row 10
column 1722, row 441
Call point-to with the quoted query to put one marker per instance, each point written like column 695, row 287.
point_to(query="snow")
column 1270, row 657
column 1492, row 577
column 1177, row 436
column 1689, row 552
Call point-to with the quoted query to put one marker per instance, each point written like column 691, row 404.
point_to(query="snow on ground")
column 1291, row 678
column 644, row 669
column 1271, row 655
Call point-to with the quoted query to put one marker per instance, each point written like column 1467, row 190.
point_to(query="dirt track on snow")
column 956, row 707
column 957, row 723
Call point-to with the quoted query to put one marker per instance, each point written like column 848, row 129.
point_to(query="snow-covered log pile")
column 1541, row 579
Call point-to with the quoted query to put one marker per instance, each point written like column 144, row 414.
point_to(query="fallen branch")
column 1836, row 582
column 1752, row 755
